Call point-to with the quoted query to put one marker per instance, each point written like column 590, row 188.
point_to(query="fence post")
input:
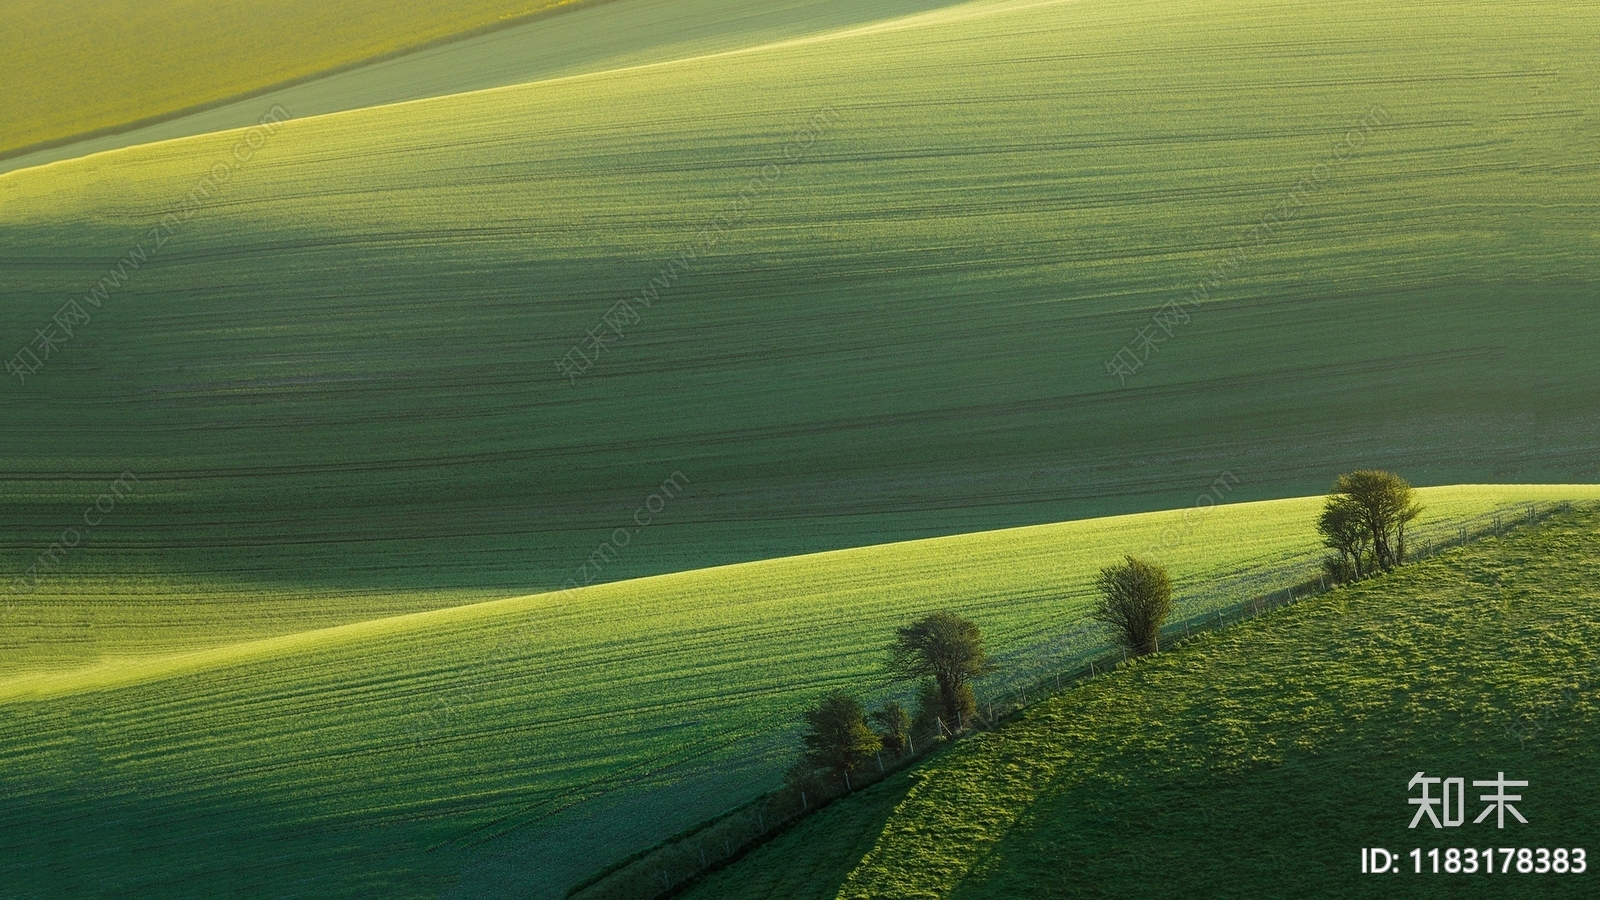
column 762, row 821
column 703, row 862
column 806, row 804
column 847, row 787
column 879, row 754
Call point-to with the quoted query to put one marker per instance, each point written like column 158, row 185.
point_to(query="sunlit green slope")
column 583, row 38
column 1258, row 761
column 338, row 378
column 514, row 747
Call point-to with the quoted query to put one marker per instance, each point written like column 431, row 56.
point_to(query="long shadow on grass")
column 94, row 840
column 1261, row 763
column 1293, row 830
column 811, row 860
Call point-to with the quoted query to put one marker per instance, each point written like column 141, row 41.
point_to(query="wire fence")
column 1081, row 654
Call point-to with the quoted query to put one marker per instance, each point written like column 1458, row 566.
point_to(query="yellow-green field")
column 76, row 67
column 586, row 37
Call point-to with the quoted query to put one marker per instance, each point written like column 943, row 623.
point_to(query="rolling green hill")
column 337, row 378
column 512, row 748
column 1257, row 761
column 329, row 368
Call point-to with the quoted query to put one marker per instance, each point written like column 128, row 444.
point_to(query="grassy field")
column 151, row 61
column 1258, row 761
column 585, row 38
column 337, row 380
column 334, row 389
column 512, row 748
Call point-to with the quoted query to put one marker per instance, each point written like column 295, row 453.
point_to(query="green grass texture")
column 512, row 748
column 336, row 378
column 585, row 37
column 1259, row 760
